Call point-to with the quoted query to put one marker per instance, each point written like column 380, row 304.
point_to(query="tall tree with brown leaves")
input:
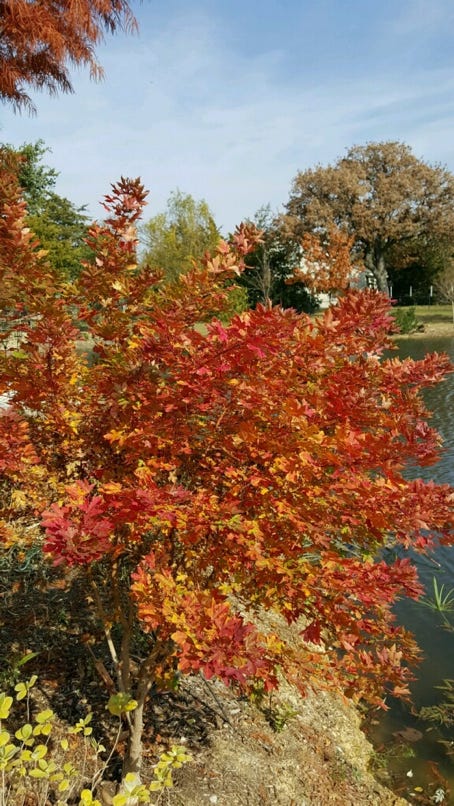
column 380, row 194
column 39, row 39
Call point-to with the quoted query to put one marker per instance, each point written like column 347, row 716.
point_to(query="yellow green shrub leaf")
column 5, row 705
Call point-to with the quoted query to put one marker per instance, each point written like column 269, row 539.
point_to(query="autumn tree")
column 40, row 39
column 60, row 225
column 205, row 485
column 381, row 195
column 183, row 233
column 445, row 286
column 326, row 263
column 417, row 264
column 270, row 265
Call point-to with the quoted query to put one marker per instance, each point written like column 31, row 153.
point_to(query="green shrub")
column 406, row 320
column 34, row 760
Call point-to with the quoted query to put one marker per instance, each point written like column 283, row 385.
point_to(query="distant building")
column 325, row 300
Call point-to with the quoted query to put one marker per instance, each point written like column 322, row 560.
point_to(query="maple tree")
column 381, row 195
column 326, row 263
column 40, row 38
column 206, row 481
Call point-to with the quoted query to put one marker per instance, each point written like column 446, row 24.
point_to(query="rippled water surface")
column 436, row 642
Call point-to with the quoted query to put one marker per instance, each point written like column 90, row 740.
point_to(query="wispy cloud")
column 423, row 17
column 184, row 106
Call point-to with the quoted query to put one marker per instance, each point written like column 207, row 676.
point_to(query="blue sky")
column 228, row 100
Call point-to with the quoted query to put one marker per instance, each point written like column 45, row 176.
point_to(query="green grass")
column 434, row 314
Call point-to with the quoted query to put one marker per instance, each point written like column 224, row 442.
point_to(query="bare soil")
column 432, row 329
column 315, row 755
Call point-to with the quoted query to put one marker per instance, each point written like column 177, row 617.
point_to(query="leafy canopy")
column 180, row 235
column 269, row 275
column 381, row 195
column 60, row 226
column 37, row 179
column 214, row 482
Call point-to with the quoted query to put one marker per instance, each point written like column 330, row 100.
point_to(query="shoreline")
column 431, row 330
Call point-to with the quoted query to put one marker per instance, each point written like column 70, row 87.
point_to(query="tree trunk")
column 133, row 757
column 266, row 278
column 377, row 266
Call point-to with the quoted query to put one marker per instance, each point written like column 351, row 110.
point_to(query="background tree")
column 60, row 226
column 62, row 229
column 36, row 178
column 416, row 265
column 180, row 235
column 445, row 285
column 39, row 39
column 380, row 194
column 270, row 266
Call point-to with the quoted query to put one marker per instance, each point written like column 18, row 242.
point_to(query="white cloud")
column 182, row 107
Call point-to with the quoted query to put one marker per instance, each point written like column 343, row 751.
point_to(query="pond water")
column 412, row 761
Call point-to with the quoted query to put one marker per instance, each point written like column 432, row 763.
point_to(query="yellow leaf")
column 18, row 499
column 4, row 738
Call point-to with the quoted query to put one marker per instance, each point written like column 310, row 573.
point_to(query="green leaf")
column 45, row 716
column 120, row 703
column 8, row 751
column 25, row 660
column 37, row 773
column 5, row 705
column 21, row 690
column 131, row 778
column 39, row 752
column 46, row 729
column 24, row 733
column 4, row 738
column 86, row 798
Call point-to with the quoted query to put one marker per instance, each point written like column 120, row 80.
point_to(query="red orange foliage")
column 327, row 262
column 225, row 470
column 39, row 38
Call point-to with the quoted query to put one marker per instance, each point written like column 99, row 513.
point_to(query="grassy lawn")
column 434, row 314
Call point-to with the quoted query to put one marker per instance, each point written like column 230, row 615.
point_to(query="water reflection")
column 435, row 641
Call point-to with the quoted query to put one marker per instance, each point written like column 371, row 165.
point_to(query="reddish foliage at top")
column 39, row 38
column 235, row 471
